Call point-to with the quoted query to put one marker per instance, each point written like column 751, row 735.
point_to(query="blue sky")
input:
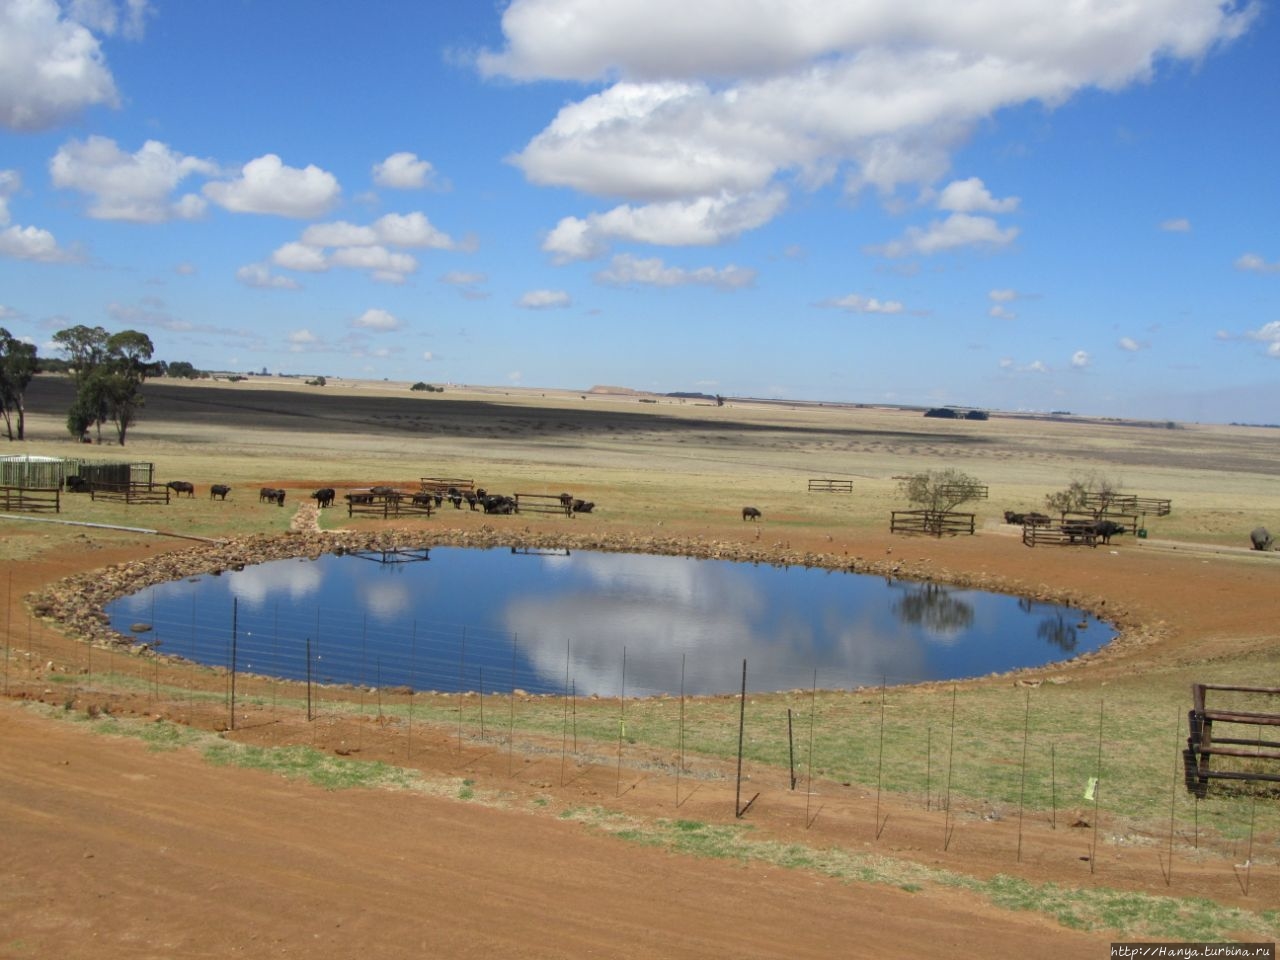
column 1013, row 205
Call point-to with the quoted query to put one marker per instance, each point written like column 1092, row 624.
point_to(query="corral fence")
column 45, row 472
column 544, row 503
column 130, row 492
column 384, row 504
column 30, row 499
column 934, row 523
column 824, row 485
column 974, row 491
column 1127, row 520
column 442, row 485
column 1105, row 503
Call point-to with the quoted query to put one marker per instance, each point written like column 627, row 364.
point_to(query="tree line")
column 108, row 369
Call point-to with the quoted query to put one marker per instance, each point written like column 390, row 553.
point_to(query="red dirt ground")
column 111, row 850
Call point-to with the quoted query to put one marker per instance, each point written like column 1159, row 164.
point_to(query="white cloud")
column 972, row 196
column 428, row 356
column 339, row 234
column 1256, row 264
column 377, row 320
column 33, row 243
column 856, row 303
column 1003, row 296
column 1268, row 333
column 109, row 18
column 1130, row 345
column 1081, row 359
column 384, row 265
column 626, row 269
column 260, row 276
column 701, row 100
column 135, row 187
column 1037, row 366
column 1176, row 225
column 302, row 338
column 545, row 299
column 301, row 257
column 699, row 222
column 403, row 171
column 411, row 230
column 1000, row 312
column 956, row 231
column 999, row 299
column 266, row 185
column 51, row 67
column 461, row 278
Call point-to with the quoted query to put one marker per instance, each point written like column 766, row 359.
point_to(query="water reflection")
column 474, row 619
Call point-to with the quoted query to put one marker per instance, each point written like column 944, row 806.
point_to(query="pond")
column 589, row 623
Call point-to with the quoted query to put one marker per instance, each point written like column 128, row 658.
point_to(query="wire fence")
column 1050, row 757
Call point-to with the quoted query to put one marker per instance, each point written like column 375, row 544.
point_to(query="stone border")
column 75, row 606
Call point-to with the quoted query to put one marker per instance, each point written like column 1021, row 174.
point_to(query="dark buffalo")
column 472, row 500
column 1080, row 531
column 271, row 495
column 1260, row 538
column 751, row 513
column 583, row 506
column 1104, row 530
column 219, row 490
column 498, row 504
column 455, row 497
column 1015, row 518
column 77, row 484
column 182, row 486
column 391, row 493
column 324, row 497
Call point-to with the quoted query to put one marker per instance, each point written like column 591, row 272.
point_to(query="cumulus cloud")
column 1176, row 225
column 379, row 321
column 627, row 270
column 51, row 67
column 1253, row 263
column 403, row 171
column 699, row 222
column 136, row 187
column 1130, row 345
column 856, row 303
column 266, row 185
column 1080, row 359
column 956, row 231
column 545, row 299
column 259, row 275
column 999, row 304
column 1269, row 334
column 972, row 196
column 26, row 243
column 702, row 101
column 128, row 19
column 385, row 266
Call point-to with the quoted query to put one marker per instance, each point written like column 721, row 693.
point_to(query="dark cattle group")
column 271, row 495
column 219, row 490
column 324, row 497
column 182, row 486
column 1021, row 519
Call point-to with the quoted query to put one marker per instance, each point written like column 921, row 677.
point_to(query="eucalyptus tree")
column 17, row 366
column 109, row 370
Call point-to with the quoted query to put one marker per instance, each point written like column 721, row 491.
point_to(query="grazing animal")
column 1082, row 530
column 472, row 500
column 182, row 486
column 1036, row 519
column 1015, row 518
column 1260, row 538
column 77, row 484
column 324, row 497
column 498, row 504
column 583, row 506
column 360, row 497
column 271, row 495
column 390, row 493
column 751, row 513
column 1104, row 530
column 219, row 490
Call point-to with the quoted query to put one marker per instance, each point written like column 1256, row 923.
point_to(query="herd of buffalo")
column 1084, row 529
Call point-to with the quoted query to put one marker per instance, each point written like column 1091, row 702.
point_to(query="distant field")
column 677, row 460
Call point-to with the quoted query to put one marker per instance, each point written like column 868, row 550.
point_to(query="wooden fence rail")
column 824, row 485
column 543, row 503
column 932, row 522
column 1250, row 757
column 30, row 500
column 130, row 492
